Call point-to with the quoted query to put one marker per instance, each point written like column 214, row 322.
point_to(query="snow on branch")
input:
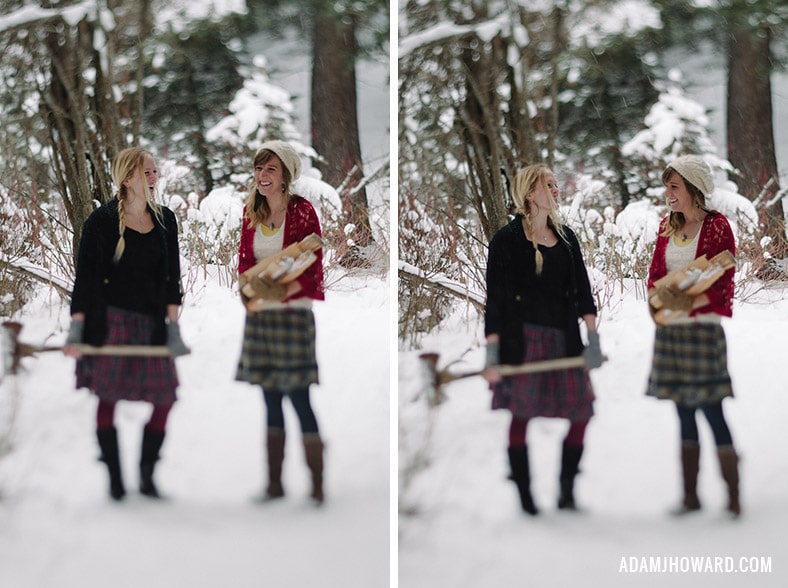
column 30, row 270
column 446, row 30
column 31, row 14
column 442, row 283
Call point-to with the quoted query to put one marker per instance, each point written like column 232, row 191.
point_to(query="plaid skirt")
column 563, row 394
column 278, row 350
column 115, row 377
column 690, row 365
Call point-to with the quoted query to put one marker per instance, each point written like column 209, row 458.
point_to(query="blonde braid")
column 121, row 246
column 128, row 162
column 537, row 253
column 525, row 182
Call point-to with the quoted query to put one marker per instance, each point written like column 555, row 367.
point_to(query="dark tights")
column 300, row 401
column 574, row 436
column 715, row 417
column 105, row 416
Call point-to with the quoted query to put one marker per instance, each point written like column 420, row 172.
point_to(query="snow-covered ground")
column 59, row 529
column 461, row 525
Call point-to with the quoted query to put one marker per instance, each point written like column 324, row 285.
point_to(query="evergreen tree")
column 258, row 112
column 751, row 34
column 191, row 77
column 341, row 33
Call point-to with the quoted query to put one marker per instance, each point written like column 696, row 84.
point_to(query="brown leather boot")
column 729, row 465
column 313, row 449
column 690, row 463
column 275, row 446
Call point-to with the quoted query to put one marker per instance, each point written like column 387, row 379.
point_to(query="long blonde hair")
column 525, row 182
column 257, row 207
column 124, row 166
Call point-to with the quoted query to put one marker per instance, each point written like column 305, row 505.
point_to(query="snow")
column 624, row 18
column 29, row 14
column 179, row 15
column 58, row 526
column 173, row 14
column 461, row 525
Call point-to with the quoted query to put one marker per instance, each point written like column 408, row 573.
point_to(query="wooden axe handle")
column 546, row 365
column 118, row 350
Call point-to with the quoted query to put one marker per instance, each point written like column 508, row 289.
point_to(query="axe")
column 429, row 362
column 14, row 350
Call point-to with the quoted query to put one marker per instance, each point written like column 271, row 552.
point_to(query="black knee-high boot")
column 570, row 461
column 110, row 455
column 521, row 474
column 151, row 444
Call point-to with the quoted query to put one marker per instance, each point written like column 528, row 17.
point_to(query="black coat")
column 96, row 270
column 517, row 295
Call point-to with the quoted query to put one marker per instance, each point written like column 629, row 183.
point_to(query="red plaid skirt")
column 113, row 378
column 563, row 394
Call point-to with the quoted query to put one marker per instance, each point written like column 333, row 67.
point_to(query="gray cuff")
column 493, row 354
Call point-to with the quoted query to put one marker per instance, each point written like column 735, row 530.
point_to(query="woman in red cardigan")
column 690, row 354
column 279, row 340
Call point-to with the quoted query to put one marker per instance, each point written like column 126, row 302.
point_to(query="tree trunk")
column 334, row 115
column 145, row 25
column 66, row 109
column 750, row 133
column 84, row 124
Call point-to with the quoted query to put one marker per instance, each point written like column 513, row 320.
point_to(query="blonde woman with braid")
column 127, row 291
column 537, row 294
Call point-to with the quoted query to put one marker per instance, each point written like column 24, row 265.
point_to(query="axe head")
column 9, row 346
column 433, row 379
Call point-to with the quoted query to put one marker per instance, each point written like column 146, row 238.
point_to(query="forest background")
column 81, row 80
column 599, row 91
column 606, row 93
column 201, row 84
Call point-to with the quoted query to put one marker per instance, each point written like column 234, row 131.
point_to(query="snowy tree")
column 675, row 125
column 481, row 89
column 191, row 75
column 751, row 36
column 259, row 111
column 341, row 34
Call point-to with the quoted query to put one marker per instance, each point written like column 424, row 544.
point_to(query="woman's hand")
column 492, row 360
column 74, row 338
column 491, row 375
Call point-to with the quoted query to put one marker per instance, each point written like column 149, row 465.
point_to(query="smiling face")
column 677, row 195
column 268, row 176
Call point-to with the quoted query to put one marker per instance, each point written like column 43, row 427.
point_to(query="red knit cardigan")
column 300, row 221
column 715, row 237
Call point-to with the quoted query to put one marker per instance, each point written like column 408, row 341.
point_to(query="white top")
column 268, row 242
column 677, row 255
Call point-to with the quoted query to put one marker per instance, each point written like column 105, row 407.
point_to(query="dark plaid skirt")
column 690, row 365
column 559, row 394
column 279, row 350
column 113, row 378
